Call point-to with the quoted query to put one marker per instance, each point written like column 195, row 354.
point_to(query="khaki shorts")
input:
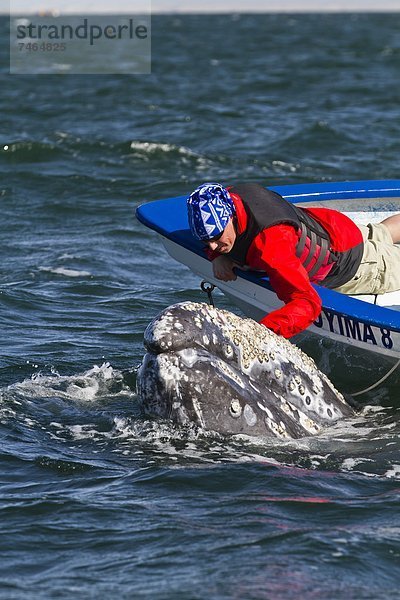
column 379, row 271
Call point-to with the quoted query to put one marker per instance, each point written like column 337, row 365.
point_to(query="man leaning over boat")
column 249, row 225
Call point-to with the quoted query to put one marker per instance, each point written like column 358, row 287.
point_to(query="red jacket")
column 273, row 250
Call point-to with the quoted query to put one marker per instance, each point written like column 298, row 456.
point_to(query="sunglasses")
column 213, row 239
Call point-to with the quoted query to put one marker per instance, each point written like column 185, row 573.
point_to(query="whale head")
column 232, row 375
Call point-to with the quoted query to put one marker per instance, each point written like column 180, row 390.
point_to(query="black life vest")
column 265, row 208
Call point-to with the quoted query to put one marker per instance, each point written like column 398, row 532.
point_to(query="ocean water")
column 95, row 500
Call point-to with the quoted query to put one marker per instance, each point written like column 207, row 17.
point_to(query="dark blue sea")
column 95, row 500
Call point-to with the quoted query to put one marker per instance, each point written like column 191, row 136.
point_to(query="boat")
column 368, row 323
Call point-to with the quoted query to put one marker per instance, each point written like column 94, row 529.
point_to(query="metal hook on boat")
column 208, row 288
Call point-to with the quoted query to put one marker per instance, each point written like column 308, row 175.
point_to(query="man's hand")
column 223, row 268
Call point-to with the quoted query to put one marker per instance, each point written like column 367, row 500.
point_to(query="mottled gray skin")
column 231, row 375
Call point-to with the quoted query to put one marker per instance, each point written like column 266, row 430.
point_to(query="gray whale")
column 232, row 375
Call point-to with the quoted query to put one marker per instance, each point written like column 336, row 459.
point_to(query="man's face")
column 224, row 242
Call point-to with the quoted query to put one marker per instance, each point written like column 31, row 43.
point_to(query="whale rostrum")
column 232, row 375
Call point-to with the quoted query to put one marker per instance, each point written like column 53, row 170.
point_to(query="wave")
column 65, row 272
column 178, row 157
column 63, row 141
column 149, row 148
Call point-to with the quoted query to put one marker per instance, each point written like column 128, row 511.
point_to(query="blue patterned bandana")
column 210, row 207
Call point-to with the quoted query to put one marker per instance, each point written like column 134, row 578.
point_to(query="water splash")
column 98, row 408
